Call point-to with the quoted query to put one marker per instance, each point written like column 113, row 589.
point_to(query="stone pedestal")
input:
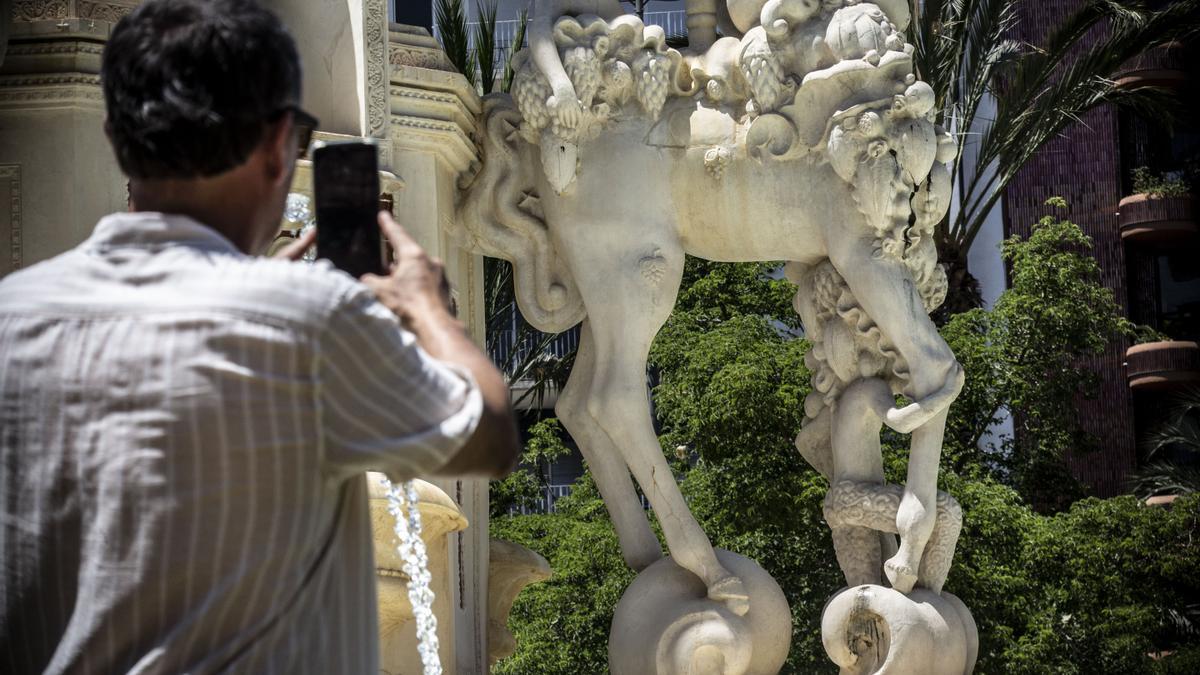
column 873, row 630
column 665, row 624
column 510, row 568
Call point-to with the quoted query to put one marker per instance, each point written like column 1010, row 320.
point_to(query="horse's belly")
column 745, row 212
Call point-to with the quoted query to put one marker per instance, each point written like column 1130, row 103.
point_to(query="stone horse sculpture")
column 801, row 135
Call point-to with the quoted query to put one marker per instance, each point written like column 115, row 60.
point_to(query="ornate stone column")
column 57, row 173
column 432, row 120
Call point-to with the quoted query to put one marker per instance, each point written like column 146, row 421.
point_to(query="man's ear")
column 278, row 150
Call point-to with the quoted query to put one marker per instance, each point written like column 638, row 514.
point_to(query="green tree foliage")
column 1092, row 589
column 1023, row 356
column 561, row 624
column 522, row 488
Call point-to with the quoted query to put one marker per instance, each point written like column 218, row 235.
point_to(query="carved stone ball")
column 873, row 630
column 666, row 625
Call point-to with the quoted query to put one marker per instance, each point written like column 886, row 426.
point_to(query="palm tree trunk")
column 963, row 293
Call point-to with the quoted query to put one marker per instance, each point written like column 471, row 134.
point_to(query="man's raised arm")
column 416, row 291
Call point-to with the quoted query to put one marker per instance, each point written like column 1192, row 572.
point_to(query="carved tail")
column 498, row 215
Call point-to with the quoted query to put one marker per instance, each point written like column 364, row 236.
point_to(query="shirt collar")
column 150, row 229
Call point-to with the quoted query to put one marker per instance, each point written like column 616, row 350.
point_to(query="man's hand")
column 296, row 249
column 416, row 289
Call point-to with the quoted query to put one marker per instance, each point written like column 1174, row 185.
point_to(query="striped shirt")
column 183, row 435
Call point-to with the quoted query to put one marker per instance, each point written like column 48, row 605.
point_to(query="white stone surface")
column 343, row 50
column 872, row 630
column 806, row 138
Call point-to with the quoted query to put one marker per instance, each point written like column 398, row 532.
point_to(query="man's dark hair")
column 190, row 85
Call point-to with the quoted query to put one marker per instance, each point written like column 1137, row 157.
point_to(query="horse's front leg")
column 629, row 293
column 884, row 288
column 639, row 546
column 918, row 508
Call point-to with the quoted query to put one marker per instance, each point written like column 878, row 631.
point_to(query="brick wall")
column 1083, row 166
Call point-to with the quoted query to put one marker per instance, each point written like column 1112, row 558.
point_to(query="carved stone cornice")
column 67, row 90
column 40, row 10
column 432, row 110
column 57, row 10
column 430, row 104
column 400, row 55
column 445, row 140
column 104, row 11
column 414, row 46
column 50, row 57
column 59, row 47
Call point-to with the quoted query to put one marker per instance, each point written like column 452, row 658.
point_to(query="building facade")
column 1146, row 245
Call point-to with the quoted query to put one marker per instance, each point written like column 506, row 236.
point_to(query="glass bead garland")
column 402, row 504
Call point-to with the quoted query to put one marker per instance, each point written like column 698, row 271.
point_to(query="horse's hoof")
column 902, row 577
column 731, row 591
column 907, row 419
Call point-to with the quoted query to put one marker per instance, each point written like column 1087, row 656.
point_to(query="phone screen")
column 346, row 188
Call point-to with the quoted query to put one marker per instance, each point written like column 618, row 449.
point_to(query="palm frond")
column 453, row 31
column 485, row 44
column 967, row 53
column 517, row 43
column 527, row 356
column 1165, row 478
column 1171, row 453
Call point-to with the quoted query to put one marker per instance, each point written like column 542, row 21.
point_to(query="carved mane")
column 499, row 216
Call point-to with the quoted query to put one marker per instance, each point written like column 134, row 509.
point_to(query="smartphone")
column 346, row 192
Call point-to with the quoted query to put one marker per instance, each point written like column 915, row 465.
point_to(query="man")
column 184, row 427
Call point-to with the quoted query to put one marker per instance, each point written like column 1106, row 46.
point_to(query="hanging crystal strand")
column 402, row 504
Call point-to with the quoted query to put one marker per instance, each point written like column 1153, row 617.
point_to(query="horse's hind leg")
column 857, row 420
column 639, row 546
column 885, row 289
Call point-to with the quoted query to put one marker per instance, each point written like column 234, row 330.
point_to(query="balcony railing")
column 1157, row 220
column 508, row 348
column 1162, row 66
column 674, row 23
column 550, row 496
column 1162, row 366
